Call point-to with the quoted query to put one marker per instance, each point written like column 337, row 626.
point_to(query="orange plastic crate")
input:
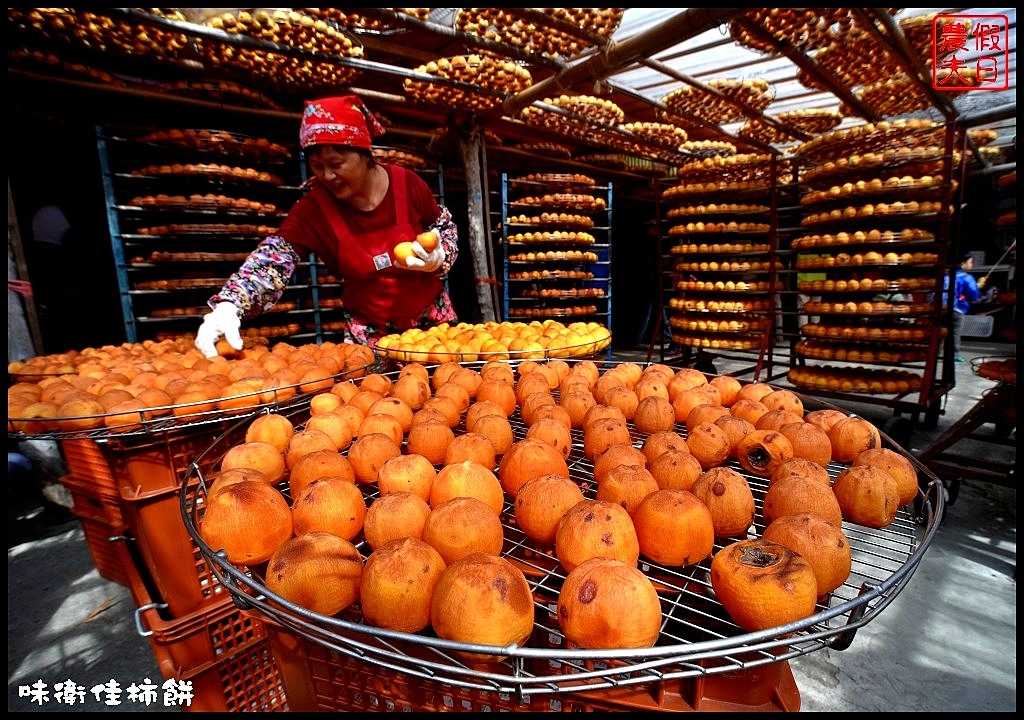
column 182, row 645
column 148, row 473
column 319, row 679
column 182, row 577
column 85, row 461
column 246, row 681
column 223, row 651
column 152, row 464
column 107, row 546
column 94, row 501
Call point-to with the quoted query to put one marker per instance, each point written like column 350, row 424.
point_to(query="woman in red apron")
column 355, row 213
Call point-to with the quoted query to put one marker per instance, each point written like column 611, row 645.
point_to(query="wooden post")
column 479, row 243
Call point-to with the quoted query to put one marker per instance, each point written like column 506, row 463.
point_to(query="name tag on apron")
column 382, row 261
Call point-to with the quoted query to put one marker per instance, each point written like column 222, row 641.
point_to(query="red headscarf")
column 340, row 120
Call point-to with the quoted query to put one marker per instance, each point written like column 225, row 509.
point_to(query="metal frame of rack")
column 600, row 270
column 760, row 359
column 308, row 294
column 937, row 371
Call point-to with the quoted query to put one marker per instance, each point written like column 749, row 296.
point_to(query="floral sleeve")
column 259, row 283
column 449, row 233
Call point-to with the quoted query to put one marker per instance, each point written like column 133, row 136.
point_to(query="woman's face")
column 344, row 172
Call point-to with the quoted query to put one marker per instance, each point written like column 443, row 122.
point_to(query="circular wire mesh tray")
column 183, row 416
column 999, row 368
column 697, row 638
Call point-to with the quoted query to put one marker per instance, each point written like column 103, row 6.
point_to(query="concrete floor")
column 948, row 642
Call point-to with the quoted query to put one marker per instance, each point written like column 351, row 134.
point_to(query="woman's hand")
column 221, row 322
column 425, row 261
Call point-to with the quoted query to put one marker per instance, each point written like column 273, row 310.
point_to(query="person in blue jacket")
column 966, row 291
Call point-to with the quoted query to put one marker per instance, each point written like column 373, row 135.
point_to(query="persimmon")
column 674, row 527
column 821, row 543
column 412, row 389
column 783, row 399
column 729, row 498
column 331, row 504
column 427, row 240
column 709, row 444
column 528, row 458
column 760, row 452
column 658, row 442
column 259, row 455
column 554, row 432
column 596, row 528
column 501, row 601
column 394, row 516
column 796, row 494
column 339, row 426
column 897, row 465
column 825, row 418
column 762, row 584
column 318, row 464
column 396, row 407
column 867, row 495
column 248, row 520
column 324, row 402
column 467, row 478
column 226, row 478
column 608, row 603
column 775, row 419
column 627, row 485
column 410, row 472
column 478, row 409
column 462, row 526
column 685, row 379
column 398, row 582
column 624, row 399
column 306, row 441
column 318, row 571
column 801, row 466
column 576, row 403
column 809, row 441
column 368, row 454
column 430, row 439
column 540, row 504
column 603, row 432
column 728, row 386
column 653, row 414
column 749, row 409
column 472, row 446
column 500, row 393
column 851, row 436
column 754, row 391
column 615, row 455
column 706, row 413
column 273, row 428
column 498, row 430
column 675, row 469
column 548, row 410
column 736, row 428
column 684, row 401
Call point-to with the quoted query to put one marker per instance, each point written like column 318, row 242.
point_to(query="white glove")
column 223, row 321
column 425, row 261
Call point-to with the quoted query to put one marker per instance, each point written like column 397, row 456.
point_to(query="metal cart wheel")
column 899, row 429
column 931, row 416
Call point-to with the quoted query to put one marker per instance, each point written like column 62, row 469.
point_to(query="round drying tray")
column 1002, row 368
column 697, row 639
column 181, row 417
